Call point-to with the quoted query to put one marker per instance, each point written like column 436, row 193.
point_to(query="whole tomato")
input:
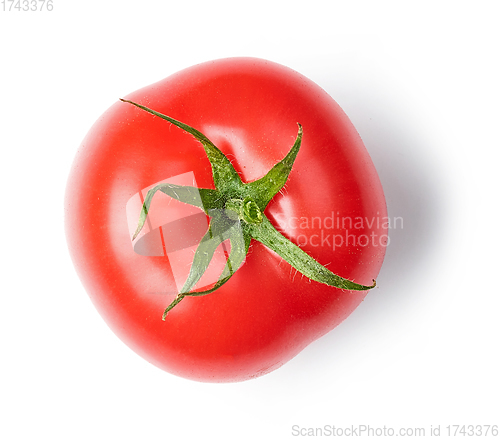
column 160, row 210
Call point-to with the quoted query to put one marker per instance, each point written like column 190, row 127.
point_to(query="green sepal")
column 265, row 188
column 221, row 228
column 266, row 233
column 225, row 176
column 206, row 199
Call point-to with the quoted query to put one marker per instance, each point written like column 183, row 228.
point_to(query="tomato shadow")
column 401, row 146
column 416, row 202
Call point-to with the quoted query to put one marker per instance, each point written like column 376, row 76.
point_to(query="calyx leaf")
column 236, row 211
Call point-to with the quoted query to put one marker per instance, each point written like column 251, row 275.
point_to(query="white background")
column 419, row 81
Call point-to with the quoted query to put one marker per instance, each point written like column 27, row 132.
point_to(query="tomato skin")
column 267, row 313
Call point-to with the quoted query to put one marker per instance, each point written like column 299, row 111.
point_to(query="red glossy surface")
column 267, row 313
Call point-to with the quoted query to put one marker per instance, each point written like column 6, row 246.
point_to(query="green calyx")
column 236, row 211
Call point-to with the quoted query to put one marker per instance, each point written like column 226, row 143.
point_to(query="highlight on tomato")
column 224, row 218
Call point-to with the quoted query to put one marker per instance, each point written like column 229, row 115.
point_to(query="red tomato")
column 332, row 206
